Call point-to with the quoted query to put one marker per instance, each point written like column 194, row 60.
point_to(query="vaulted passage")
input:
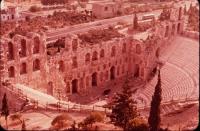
column 74, row 86
column 112, row 73
column 178, row 28
column 11, row 71
column 94, row 79
column 50, row 88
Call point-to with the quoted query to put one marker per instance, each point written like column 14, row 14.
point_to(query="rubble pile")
column 97, row 36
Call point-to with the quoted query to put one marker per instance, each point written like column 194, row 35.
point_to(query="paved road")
column 180, row 74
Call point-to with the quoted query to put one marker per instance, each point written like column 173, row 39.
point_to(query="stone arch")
column 23, row 68
column 137, row 70
column 74, row 86
column 36, row 45
column 11, row 71
column 113, row 51
column 138, row 49
column 102, row 53
column 87, row 58
column 22, row 52
column 74, row 44
column 36, row 65
column 124, row 48
column 61, row 66
column 74, row 62
column 10, row 51
column 50, row 88
column 94, row 79
column 112, row 73
column 95, row 56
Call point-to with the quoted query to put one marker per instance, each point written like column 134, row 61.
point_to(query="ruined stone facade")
column 78, row 67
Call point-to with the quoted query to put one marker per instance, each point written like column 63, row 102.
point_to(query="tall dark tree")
column 154, row 116
column 135, row 22
column 23, row 126
column 4, row 109
column 123, row 107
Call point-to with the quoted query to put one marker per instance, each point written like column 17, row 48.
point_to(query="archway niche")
column 173, row 29
column 61, row 66
column 95, row 56
column 50, row 88
column 94, row 79
column 113, row 51
column 178, row 28
column 36, row 65
column 102, row 53
column 10, row 51
column 36, row 45
column 112, row 73
column 22, row 52
column 11, row 71
column 23, row 68
column 158, row 52
column 74, row 86
column 87, row 58
column 137, row 71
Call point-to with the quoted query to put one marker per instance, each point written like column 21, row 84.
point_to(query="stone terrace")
column 179, row 75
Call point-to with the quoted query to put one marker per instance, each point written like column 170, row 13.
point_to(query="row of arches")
column 23, row 68
column 113, row 53
column 23, row 48
column 94, row 80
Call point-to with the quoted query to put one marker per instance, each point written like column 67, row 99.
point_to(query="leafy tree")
column 4, row 109
column 123, row 107
column 23, row 126
column 60, row 121
column 138, row 124
column 154, row 117
column 135, row 22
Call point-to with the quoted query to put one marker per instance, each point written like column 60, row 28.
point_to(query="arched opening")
column 180, row 13
column 11, row 71
column 124, row 48
column 50, row 88
column 87, row 58
column 112, row 73
column 10, row 51
column 138, row 49
column 102, row 53
column 173, row 29
column 36, row 65
column 22, row 52
column 74, row 86
column 113, row 51
column 95, row 56
column 36, row 45
column 178, row 28
column 23, row 69
column 74, row 44
column 94, row 79
column 137, row 71
column 61, row 67
column 166, row 31
column 158, row 52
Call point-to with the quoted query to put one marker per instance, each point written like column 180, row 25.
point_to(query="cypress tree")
column 23, row 126
column 154, row 116
column 4, row 109
column 124, row 108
